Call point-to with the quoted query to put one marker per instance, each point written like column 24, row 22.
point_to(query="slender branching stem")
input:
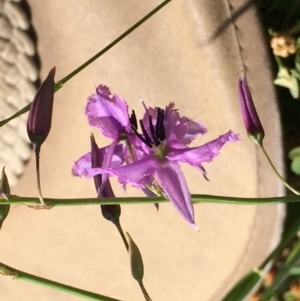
column 37, row 149
column 143, row 289
column 145, row 293
column 112, row 44
column 277, row 173
column 196, row 198
column 121, row 232
column 60, row 83
column 13, row 273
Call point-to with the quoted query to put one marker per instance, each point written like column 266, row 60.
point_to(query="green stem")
column 112, row 44
column 60, row 83
column 37, row 168
column 121, row 232
column 6, row 270
column 196, row 198
column 278, row 61
column 145, row 293
column 142, row 287
column 19, row 113
column 277, row 173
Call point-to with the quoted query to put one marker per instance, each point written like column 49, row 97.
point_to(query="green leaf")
column 244, row 286
column 290, row 296
column 294, row 155
column 295, row 271
column 288, row 79
column 283, row 279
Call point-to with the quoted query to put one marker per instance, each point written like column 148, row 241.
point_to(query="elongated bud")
column 96, row 161
column 40, row 113
column 136, row 261
column 110, row 212
column 251, row 120
column 4, row 186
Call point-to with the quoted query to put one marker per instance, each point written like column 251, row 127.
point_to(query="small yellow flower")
column 283, row 45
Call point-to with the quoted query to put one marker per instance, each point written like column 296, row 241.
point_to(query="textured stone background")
column 189, row 53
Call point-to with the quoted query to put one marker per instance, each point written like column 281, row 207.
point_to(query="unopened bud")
column 4, row 186
column 40, row 113
column 110, row 212
column 136, row 261
column 251, row 120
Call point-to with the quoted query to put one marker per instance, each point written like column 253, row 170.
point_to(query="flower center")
column 161, row 150
column 154, row 136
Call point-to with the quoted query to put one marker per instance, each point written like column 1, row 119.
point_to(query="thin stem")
column 37, row 149
column 143, row 289
column 6, row 270
column 60, row 83
column 121, row 232
column 277, row 173
column 278, row 61
column 19, row 113
column 112, row 44
column 146, row 295
column 196, row 198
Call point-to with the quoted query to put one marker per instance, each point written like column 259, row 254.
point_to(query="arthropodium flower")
column 109, row 212
column 252, row 122
column 40, row 113
column 108, row 113
column 164, row 144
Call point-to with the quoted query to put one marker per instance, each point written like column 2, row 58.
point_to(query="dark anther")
column 157, row 133
column 160, row 130
column 133, row 120
column 158, row 121
column 152, row 131
column 140, row 136
column 146, row 136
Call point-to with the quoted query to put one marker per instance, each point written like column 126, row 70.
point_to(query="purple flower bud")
column 109, row 212
column 40, row 113
column 251, row 120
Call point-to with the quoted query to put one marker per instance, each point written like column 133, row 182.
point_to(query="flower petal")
column 204, row 153
column 193, row 129
column 107, row 112
column 84, row 162
column 137, row 174
column 184, row 129
column 169, row 175
column 107, row 160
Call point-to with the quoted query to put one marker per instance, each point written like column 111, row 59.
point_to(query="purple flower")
column 163, row 143
column 251, row 120
column 108, row 113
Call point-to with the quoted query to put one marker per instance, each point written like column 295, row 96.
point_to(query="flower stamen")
column 133, row 120
column 160, row 129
